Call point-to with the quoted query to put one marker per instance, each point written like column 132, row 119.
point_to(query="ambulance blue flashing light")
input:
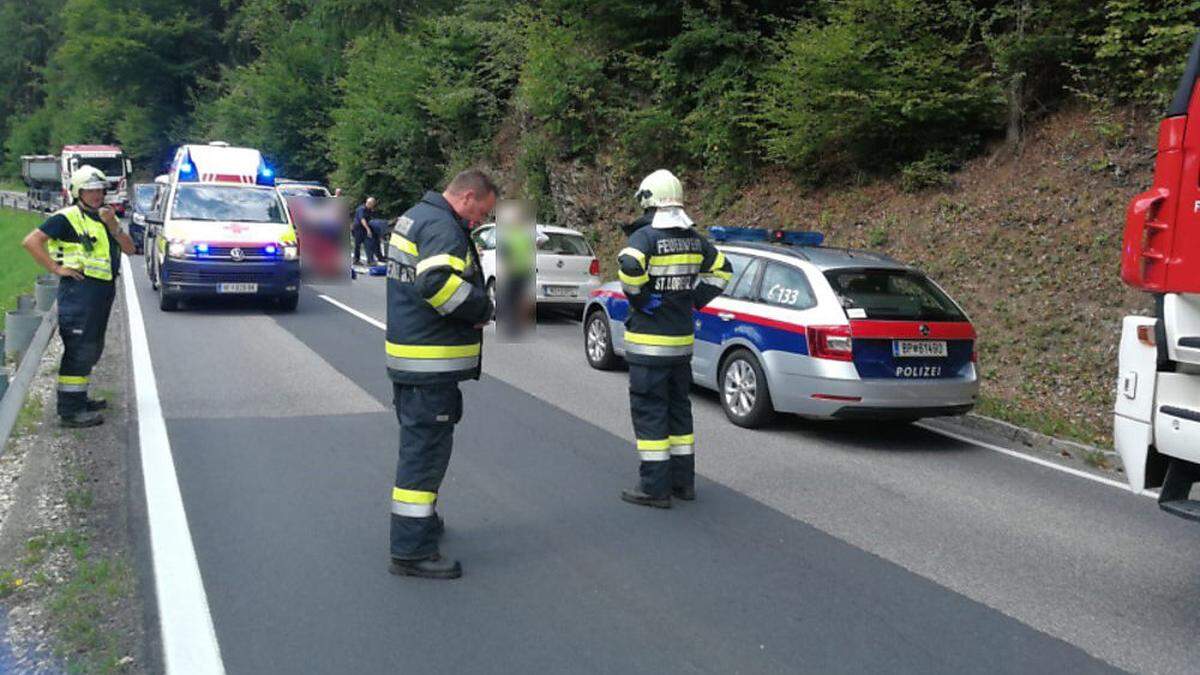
column 202, row 249
column 187, row 170
column 723, row 234
column 266, row 176
column 271, row 249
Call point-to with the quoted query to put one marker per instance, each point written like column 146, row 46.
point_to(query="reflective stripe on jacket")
column 436, row 297
column 683, row 271
column 91, row 254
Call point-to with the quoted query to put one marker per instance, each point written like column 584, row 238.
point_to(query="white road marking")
column 949, row 434
column 350, row 310
column 185, row 623
column 1039, row 461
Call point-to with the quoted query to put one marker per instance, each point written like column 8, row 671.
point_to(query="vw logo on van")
column 237, row 254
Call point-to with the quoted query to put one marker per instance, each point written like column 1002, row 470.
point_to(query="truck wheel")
column 743, row 390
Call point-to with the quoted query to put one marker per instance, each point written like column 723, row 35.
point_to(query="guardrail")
column 14, row 200
column 13, row 397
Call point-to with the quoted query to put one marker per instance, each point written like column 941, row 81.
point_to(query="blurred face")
column 370, row 202
column 93, row 199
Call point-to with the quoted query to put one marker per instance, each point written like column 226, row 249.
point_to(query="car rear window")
column 558, row 243
column 899, row 295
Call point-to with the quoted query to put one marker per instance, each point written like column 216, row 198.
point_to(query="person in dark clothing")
column 437, row 307
column 667, row 270
column 363, row 235
column 82, row 245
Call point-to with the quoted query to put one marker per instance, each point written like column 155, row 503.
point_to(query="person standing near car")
column 667, row 270
column 80, row 245
column 362, row 231
column 437, row 307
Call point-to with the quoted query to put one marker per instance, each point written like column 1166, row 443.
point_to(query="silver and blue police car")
column 819, row 332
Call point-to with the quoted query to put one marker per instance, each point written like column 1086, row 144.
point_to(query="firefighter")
column 437, row 307
column 667, row 270
column 79, row 244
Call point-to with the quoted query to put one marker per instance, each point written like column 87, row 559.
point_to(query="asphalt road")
column 811, row 548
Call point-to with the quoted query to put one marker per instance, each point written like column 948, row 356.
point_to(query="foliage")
column 875, row 84
column 1139, row 52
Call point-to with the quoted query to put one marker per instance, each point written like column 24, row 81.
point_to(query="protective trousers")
column 427, row 415
column 662, row 425
column 83, row 310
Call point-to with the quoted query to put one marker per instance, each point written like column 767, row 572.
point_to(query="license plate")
column 561, row 291
column 919, row 348
column 237, row 288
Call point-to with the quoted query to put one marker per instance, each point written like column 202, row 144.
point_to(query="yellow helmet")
column 87, row 177
column 660, row 188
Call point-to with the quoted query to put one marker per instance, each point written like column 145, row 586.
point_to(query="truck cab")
column 1156, row 417
column 224, row 230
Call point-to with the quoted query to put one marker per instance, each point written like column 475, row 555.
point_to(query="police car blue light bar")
column 266, row 176
column 722, row 233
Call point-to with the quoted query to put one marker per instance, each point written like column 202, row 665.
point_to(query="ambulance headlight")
column 177, row 249
column 290, row 252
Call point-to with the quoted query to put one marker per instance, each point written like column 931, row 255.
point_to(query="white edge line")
column 347, row 308
column 189, row 640
column 1038, row 460
column 949, row 434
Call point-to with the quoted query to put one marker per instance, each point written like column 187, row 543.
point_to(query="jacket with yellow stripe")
column 435, row 296
column 685, row 271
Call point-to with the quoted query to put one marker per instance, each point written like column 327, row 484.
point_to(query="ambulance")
column 1156, row 420
column 223, row 230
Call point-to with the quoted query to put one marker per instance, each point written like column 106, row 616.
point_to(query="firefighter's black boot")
column 435, row 567
column 95, row 404
column 685, row 492
column 636, row 496
column 82, row 419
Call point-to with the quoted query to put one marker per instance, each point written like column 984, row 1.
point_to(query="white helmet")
column 660, row 188
column 87, row 177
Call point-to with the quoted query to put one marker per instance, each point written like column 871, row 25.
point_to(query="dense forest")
column 390, row 97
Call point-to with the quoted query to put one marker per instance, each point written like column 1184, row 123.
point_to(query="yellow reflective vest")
column 91, row 254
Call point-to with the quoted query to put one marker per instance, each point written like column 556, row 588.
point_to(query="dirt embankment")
column 1027, row 240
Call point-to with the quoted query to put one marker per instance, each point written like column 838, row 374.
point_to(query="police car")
column 820, row 332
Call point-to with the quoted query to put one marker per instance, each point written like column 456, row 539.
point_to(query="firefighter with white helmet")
column 667, row 270
column 79, row 244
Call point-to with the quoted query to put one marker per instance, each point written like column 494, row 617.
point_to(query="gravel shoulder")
column 70, row 596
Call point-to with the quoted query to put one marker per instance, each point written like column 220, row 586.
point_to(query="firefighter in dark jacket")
column 82, row 244
column 667, row 270
column 437, row 307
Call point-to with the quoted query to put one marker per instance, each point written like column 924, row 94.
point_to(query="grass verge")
column 17, row 270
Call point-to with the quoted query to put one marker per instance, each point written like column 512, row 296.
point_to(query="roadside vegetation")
column 17, row 270
column 767, row 109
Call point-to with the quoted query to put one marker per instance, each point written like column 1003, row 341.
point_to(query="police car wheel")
column 744, row 394
column 597, row 342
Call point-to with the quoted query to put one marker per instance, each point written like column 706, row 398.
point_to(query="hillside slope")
column 1027, row 241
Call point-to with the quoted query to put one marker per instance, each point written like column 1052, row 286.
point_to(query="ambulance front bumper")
column 211, row 278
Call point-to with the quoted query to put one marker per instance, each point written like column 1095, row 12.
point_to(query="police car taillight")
column 830, row 342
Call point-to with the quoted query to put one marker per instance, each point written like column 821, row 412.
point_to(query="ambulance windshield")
column 228, row 203
column 898, row 295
